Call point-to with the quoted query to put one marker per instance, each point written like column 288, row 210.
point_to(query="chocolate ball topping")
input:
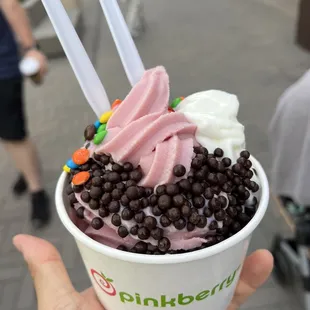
column 164, row 221
column 179, row 170
column 156, row 211
column 116, row 194
column 77, row 188
column 198, row 202
column 194, row 218
column 161, row 190
column 186, row 210
column 127, row 214
column 135, row 205
column 72, row 199
column 97, row 223
column 164, row 202
column 245, row 154
column 185, row 185
column 180, row 223
column 226, row 161
column 141, row 247
column 150, row 222
column 178, row 200
column 116, row 220
column 164, row 244
column 122, row 231
column 143, row 233
column 157, row 233
column 94, row 204
column 128, row 167
column 136, row 175
column 132, row 192
column 105, row 159
column 114, row 177
column 108, row 187
column 218, row 152
column 103, row 212
column 85, row 197
column 106, row 199
column 139, row 217
column 95, row 192
column 173, row 214
column 114, row 206
column 134, row 230
column 202, row 221
column 172, row 189
column 197, row 189
column 80, row 212
column 117, row 168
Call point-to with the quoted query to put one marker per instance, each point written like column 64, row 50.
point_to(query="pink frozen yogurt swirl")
column 143, row 132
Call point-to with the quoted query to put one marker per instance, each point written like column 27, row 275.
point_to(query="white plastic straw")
column 77, row 56
column 125, row 45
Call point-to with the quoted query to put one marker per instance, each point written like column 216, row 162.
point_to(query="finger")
column 89, row 293
column 256, row 270
column 90, row 300
column 52, row 284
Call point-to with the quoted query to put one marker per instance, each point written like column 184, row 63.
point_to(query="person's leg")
column 20, row 148
column 303, row 24
column 26, row 160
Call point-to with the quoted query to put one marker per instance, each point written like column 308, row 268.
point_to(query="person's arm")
column 19, row 22
column 17, row 18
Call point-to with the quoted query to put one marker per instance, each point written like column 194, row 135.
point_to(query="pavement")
column 243, row 46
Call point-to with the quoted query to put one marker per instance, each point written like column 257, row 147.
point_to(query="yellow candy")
column 105, row 117
column 66, row 169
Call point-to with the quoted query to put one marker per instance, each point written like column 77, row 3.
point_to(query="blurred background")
column 246, row 47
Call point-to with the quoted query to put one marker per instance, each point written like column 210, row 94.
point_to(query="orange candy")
column 182, row 98
column 116, row 103
column 80, row 156
column 81, row 178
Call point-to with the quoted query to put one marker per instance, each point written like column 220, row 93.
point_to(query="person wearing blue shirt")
column 16, row 40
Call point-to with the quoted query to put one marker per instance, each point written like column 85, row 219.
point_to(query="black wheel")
column 282, row 271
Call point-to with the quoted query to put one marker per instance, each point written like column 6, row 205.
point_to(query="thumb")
column 256, row 270
column 52, row 284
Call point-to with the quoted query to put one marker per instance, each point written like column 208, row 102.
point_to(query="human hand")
column 55, row 290
column 41, row 58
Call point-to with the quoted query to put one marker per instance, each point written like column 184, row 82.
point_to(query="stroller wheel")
column 283, row 271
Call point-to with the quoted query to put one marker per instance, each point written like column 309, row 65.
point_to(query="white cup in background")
column 30, row 67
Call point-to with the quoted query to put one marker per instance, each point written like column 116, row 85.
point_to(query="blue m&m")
column 97, row 124
column 70, row 163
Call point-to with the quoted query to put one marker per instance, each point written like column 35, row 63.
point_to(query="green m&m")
column 102, row 128
column 175, row 102
column 99, row 137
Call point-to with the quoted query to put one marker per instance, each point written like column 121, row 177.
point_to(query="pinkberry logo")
column 163, row 301
column 104, row 282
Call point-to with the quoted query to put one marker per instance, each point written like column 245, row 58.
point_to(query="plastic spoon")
column 125, row 45
column 77, row 56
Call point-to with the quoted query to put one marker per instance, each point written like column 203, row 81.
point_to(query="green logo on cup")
column 163, row 301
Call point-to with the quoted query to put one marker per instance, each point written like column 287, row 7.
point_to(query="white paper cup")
column 203, row 279
column 30, row 67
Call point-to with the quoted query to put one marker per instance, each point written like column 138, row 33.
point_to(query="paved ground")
column 243, row 46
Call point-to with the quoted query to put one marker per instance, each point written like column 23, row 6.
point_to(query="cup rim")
column 165, row 259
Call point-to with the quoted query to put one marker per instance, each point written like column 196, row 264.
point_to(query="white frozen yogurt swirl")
column 215, row 114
